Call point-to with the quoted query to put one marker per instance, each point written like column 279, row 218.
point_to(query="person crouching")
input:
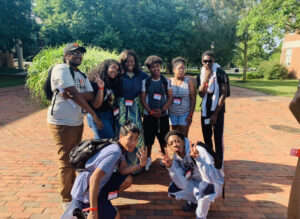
column 93, row 189
column 193, row 174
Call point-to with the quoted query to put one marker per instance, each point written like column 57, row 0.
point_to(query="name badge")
column 113, row 195
column 128, row 102
column 116, row 111
column 157, row 96
column 177, row 100
column 188, row 174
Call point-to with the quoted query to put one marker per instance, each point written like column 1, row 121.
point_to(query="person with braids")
column 106, row 82
column 94, row 188
column 130, row 103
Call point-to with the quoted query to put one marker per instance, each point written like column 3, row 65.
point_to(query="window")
column 288, row 57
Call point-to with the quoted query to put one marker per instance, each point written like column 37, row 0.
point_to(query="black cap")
column 74, row 46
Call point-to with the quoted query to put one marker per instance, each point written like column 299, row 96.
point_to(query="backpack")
column 217, row 161
column 222, row 73
column 47, row 84
column 83, row 151
column 164, row 82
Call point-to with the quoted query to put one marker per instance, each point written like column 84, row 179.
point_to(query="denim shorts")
column 178, row 120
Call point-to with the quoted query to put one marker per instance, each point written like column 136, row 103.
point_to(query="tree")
column 262, row 22
column 16, row 23
column 214, row 21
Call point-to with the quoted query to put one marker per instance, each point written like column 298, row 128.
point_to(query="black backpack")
column 218, row 162
column 83, row 151
column 222, row 73
column 164, row 81
column 47, row 84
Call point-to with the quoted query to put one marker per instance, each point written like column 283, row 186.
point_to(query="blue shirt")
column 106, row 160
column 132, row 87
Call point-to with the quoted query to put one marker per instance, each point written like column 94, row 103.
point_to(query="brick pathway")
column 259, row 133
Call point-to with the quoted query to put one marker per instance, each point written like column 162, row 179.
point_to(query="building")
column 290, row 54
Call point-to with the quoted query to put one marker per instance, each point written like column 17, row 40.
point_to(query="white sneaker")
column 65, row 205
column 148, row 164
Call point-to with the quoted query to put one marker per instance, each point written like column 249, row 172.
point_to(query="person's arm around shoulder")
column 193, row 101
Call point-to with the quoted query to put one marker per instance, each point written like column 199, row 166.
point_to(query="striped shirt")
column 182, row 91
column 107, row 160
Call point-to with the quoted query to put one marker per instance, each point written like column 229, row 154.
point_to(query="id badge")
column 116, row 111
column 157, row 96
column 188, row 174
column 113, row 195
column 128, row 102
column 177, row 100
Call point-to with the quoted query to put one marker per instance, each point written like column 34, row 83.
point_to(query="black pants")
column 218, row 129
column 155, row 127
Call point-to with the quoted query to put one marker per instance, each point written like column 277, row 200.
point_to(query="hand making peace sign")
column 194, row 152
column 166, row 160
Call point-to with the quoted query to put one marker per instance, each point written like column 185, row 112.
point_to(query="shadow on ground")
column 242, row 178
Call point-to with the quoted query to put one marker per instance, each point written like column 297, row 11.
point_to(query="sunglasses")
column 207, row 61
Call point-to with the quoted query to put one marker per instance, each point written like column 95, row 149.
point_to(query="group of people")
column 125, row 103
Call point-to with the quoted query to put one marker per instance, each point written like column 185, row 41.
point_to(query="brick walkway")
column 259, row 133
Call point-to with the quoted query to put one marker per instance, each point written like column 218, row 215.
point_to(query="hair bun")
column 127, row 122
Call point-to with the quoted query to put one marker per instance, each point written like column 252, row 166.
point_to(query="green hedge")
column 48, row 57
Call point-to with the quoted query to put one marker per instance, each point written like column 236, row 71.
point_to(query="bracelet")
column 191, row 115
column 205, row 84
column 90, row 209
column 101, row 88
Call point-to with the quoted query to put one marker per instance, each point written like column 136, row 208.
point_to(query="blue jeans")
column 107, row 130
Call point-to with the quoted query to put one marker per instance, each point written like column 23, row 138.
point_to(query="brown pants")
column 65, row 138
column 294, row 203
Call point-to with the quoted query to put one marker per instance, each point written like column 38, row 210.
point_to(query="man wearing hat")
column 71, row 90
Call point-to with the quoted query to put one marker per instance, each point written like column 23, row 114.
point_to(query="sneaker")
column 189, row 207
column 148, row 164
column 65, row 205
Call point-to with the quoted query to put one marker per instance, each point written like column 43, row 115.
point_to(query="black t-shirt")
column 108, row 98
column 221, row 79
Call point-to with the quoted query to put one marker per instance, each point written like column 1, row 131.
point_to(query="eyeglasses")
column 207, row 61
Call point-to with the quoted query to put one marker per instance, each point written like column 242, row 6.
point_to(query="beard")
column 74, row 64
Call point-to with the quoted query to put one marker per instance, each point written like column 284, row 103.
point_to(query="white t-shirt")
column 63, row 113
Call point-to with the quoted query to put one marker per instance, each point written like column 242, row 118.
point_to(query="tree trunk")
column 245, row 60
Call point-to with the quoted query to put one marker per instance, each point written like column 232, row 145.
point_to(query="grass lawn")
column 8, row 81
column 285, row 88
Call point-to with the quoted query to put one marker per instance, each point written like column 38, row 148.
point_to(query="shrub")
column 277, row 71
column 271, row 70
column 48, row 57
column 254, row 75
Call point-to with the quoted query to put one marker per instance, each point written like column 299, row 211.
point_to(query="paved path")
column 259, row 133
